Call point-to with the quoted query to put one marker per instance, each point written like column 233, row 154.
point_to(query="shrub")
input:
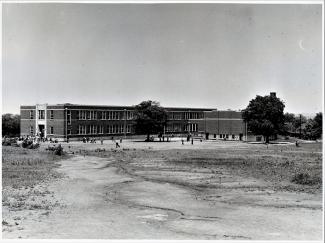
column 305, row 179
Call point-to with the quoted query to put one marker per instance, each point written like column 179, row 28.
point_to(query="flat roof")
column 121, row 106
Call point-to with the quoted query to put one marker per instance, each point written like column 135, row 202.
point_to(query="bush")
column 58, row 150
column 305, row 179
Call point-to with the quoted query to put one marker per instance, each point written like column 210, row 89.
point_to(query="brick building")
column 78, row 121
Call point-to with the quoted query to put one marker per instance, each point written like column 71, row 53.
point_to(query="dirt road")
column 107, row 199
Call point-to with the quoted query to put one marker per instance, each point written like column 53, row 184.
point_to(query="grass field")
column 283, row 167
column 24, row 171
column 26, row 167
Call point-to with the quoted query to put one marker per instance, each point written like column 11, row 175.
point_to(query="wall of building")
column 26, row 123
column 217, row 124
column 227, row 125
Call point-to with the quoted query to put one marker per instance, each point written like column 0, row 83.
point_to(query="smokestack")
column 273, row 94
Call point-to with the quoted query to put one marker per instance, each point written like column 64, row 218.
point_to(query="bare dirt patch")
column 209, row 190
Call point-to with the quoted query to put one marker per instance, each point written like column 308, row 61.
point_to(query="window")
column 31, row 114
column 51, row 114
column 41, row 114
column 82, row 129
column 92, row 115
column 88, row 115
column 69, row 117
column 94, row 129
column 31, row 130
column 51, row 130
column 192, row 127
column 103, row 115
column 129, row 115
column 101, row 129
column 128, row 128
column 82, row 115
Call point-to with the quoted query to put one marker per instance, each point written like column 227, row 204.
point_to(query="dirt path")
column 99, row 200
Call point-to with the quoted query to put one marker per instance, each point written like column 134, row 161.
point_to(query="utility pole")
column 125, row 113
column 66, row 124
column 205, row 124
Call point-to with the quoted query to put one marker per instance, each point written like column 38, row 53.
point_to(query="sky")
column 182, row 55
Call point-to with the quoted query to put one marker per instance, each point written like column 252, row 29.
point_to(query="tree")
column 264, row 116
column 313, row 128
column 10, row 125
column 293, row 123
column 150, row 118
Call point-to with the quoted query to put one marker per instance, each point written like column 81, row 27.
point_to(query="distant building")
column 77, row 121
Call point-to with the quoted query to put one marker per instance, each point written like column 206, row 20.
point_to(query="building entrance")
column 41, row 130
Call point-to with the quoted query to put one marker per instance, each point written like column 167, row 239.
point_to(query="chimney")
column 273, row 94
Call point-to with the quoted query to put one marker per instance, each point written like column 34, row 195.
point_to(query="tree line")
column 10, row 125
column 265, row 116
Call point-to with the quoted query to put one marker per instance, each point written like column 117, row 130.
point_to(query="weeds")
column 23, row 167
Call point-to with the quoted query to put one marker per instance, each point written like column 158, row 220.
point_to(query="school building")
column 74, row 121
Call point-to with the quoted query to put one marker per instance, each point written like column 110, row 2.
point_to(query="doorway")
column 41, row 130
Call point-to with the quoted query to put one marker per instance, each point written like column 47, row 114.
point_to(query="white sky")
column 194, row 55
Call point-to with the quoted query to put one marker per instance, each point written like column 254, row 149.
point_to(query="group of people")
column 189, row 138
column 93, row 140
column 90, row 140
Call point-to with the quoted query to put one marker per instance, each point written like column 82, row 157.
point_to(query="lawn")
column 27, row 167
column 24, row 175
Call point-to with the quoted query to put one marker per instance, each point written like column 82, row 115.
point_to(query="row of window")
column 192, row 127
column 186, row 115
column 104, row 115
column 41, row 114
column 111, row 129
column 113, row 115
column 193, row 115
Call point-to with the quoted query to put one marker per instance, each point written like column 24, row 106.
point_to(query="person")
column 101, row 141
column 182, row 141
column 117, row 145
column 297, row 144
column 120, row 140
column 87, row 139
column 192, row 141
